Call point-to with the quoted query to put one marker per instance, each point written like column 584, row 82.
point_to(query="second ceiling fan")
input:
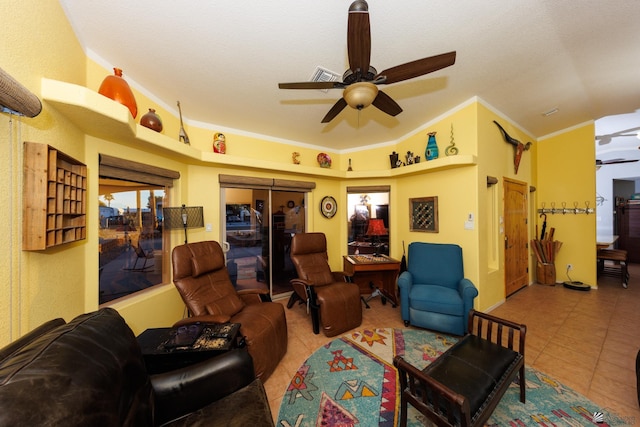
column 360, row 82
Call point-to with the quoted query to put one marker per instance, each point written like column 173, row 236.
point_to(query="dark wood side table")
column 375, row 275
column 160, row 356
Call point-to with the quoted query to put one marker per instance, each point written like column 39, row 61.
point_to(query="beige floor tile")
column 623, row 393
column 572, row 355
column 567, row 373
column 586, row 340
column 615, row 374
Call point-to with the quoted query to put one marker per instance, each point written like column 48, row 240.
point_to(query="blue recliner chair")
column 433, row 291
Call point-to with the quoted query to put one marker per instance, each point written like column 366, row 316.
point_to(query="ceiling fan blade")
column 613, row 162
column 605, row 139
column 311, row 85
column 417, row 68
column 386, row 104
column 359, row 37
column 335, row 110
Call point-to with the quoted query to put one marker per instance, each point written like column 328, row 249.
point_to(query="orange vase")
column 117, row 88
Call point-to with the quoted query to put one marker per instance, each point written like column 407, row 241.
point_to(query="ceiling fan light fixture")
column 360, row 95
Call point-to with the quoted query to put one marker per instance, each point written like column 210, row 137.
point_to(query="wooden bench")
column 618, row 265
column 464, row 385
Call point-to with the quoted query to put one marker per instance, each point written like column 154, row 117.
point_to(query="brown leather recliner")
column 200, row 274
column 331, row 300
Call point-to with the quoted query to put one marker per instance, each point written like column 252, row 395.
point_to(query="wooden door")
column 516, row 237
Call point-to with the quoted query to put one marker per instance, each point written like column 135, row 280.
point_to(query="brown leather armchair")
column 201, row 277
column 331, row 300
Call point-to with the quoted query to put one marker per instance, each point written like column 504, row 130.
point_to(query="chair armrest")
column 255, row 291
column 301, row 282
column 466, row 289
column 188, row 389
column 205, row 318
column 405, row 280
column 430, row 396
column 252, row 296
column 340, row 276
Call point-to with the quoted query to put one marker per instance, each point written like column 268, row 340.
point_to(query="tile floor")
column 587, row 340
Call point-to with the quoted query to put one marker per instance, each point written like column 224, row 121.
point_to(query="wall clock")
column 328, row 206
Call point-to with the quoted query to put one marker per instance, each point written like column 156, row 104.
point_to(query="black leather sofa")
column 90, row 372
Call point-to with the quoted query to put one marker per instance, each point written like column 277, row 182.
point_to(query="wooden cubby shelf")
column 54, row 198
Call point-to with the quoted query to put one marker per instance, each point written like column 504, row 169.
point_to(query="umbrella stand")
column 545, row 251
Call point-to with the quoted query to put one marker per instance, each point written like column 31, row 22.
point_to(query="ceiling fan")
column 360, row 82
column 605, row 139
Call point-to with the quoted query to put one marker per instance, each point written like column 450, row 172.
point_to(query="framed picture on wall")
column 423, row 214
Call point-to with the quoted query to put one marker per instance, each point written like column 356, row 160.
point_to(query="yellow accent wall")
column 63, row 282
column 34, row 286
column 566, row 174
column 496, row 159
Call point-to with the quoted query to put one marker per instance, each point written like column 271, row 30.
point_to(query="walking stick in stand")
column 403, row 262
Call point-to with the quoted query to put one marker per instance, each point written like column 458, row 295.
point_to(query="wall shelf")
column 54, row 198
column 101, row 117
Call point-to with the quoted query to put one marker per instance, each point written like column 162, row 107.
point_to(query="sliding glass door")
column 257, row 225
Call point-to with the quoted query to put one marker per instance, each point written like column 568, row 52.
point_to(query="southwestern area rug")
column 351, row 381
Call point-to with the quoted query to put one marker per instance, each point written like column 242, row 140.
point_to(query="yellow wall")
column 566, row 174
column 35, row 287
column 63, row 282
column 496, row 159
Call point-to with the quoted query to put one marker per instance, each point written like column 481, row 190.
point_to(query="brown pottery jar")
column 151, row 120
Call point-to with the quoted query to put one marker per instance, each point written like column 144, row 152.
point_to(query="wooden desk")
column 604, row 241
column 375, row 275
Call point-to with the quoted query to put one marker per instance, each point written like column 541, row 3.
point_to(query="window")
column 363, row 204
column 131, row 238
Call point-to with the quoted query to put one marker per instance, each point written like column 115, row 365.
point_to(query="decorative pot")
column 432, row 148
column 151, row 120
column 219, row 143
column 393, row 159
column 117, row 88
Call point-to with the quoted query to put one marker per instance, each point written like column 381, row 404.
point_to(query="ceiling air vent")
column 324, row 75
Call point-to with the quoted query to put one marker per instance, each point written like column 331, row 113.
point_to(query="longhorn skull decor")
column 518, row 146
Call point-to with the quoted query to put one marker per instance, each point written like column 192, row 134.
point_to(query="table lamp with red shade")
column 376, row 229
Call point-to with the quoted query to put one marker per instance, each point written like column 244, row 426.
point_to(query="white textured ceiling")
column 224, row 59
